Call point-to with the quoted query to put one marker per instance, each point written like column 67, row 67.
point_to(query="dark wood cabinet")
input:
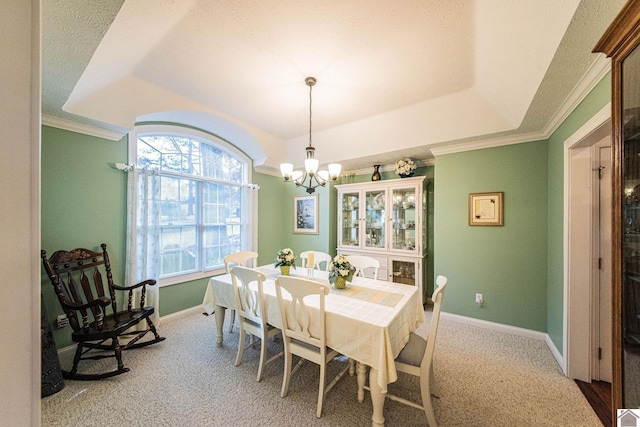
column 621, row 42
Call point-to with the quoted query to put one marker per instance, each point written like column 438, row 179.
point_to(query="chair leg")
column 233, row 319
column 152, row 328
column 425, row 392
column 432, row 383
column 263, row 356
column 76, row 359
column 117, row 348
column 241, row 341
column 321, row 389
column 287, row 374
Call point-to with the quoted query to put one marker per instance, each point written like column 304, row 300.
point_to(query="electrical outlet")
column 62, row 321
column 479, row 299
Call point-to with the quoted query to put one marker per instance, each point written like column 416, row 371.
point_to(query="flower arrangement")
column 285, row 258
column 405, row 167
column 340, row 267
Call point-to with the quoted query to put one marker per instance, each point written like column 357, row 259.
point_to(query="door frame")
column 579, row 281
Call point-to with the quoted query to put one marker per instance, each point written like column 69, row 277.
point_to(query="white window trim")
column 144, row 129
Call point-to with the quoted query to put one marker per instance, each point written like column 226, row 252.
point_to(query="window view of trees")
column 201, row 201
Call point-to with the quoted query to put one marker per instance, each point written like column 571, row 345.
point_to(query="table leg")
column 377, row 399
column 219, row 313
column 361, row 369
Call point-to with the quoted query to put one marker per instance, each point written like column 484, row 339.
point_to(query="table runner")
column 389, row 299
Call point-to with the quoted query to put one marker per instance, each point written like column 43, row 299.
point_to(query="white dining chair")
column 361, row 263
column 251, row 313
column 303, row 330
column 416, row 358
column 246, row 259
column 318, row 258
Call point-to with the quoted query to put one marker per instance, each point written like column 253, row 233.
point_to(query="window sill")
column 183, row 278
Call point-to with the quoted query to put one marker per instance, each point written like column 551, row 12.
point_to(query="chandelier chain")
column 310, row 101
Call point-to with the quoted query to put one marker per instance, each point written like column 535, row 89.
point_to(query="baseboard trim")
column 515, row 330
column 557, row 355
column 183, row 313
column 67, row 353
column 511, row 330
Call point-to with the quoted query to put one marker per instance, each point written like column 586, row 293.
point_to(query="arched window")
column 204, row 210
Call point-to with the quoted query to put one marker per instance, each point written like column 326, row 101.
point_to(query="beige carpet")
column 484, row 378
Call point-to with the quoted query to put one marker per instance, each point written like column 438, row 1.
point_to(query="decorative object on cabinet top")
column 376, row 173
column 405, row 168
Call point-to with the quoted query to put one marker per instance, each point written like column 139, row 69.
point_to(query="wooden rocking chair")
column 77, row 278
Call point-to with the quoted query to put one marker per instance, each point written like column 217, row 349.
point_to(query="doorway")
column 584, row 307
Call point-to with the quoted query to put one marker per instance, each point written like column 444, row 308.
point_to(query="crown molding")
column 596, row 72
column 85, row 129
column 489, row 143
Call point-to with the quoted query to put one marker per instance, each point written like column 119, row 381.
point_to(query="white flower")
column 285, row 257
column 405, row 167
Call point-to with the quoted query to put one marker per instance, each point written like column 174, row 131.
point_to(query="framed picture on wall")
column 305, row 214
column 486, row 208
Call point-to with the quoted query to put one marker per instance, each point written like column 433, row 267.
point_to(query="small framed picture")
column 486, row 208
column 305, row 214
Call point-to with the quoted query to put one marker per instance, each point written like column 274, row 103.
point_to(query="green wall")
column 593, row 103
column 508, row 264
column 518, row 267
column 83, row 203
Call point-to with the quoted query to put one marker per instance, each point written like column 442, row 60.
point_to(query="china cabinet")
column 385, row 220
column 621, row 42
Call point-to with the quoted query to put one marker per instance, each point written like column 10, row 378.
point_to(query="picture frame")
column 486, row 208
column 305, row 214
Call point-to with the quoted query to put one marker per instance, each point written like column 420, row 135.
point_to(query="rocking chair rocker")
column 77, row 279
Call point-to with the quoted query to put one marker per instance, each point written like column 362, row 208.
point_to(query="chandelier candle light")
column 320, row 177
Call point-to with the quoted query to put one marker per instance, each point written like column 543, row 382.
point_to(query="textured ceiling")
column 394, row 78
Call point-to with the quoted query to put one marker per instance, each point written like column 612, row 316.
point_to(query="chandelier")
column 316, row 177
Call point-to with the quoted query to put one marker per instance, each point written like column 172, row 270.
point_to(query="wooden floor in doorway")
column 598, row 394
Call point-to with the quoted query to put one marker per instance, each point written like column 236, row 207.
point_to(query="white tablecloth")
column 368, row 332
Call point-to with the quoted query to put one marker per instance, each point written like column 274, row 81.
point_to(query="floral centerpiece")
column 405, row 168
column 340, row 271
column 285, row 259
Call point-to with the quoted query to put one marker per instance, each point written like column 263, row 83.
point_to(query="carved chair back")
column 78, row 277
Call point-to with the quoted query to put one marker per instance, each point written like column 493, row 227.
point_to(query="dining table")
column 369, row 321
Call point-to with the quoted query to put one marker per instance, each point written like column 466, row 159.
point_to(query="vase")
column 406, row 175
column 376, row 173
column 284, row 270
column 341, row 283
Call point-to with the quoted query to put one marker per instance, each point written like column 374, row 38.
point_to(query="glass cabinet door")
column 376, row 219
column 631, row 229
column 350, row 228
column 403, row 272
column 404, row 218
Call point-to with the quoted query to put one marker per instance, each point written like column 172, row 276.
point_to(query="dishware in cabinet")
column 406, row 270
column 349, row 219
column 405, row 222
column 385, row 216
column 376, row 219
